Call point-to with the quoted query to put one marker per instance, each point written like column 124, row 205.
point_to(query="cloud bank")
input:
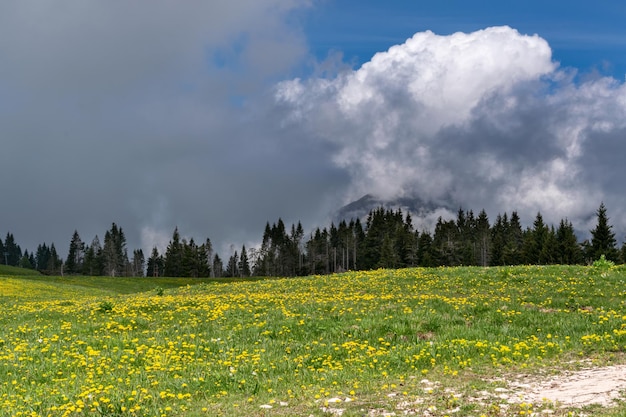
column 150, row 114
column 483, row 120
column 154, row 115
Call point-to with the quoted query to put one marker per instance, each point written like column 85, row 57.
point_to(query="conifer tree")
column 138, row 263
column 190, row 266
column 534, row 240
column 244, row 267
column 218, row 266
column 93, row 261
column 603, row 239
column 483, row 239
column 114, row 254
column 12, row 252
column 445, row 244
column 499, row 232
column 75, row 255
column 25, row 261
column 424, row 249
column 549, row 249
column 568, row 252
column 43, row 254
column 174, row 256
column 155, row 265
column 232, row 269
column 55, row 264
column 206, row 258
column 512, row 253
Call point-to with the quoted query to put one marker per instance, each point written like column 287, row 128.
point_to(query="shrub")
column 603, row 263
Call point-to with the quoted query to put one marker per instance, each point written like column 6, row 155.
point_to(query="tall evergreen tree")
column 32, row 260
column 42, row 256
column 155, row 265
column 512, row 253
column 75, row 255
column 446, row 243
column 114, row 254
column 93, row 261
column 424, row 250
column 25, row 261
column 12, row 251
column 534, row 240
column 603, row 239
column 55, row 264
column 569, row 251
column 499, row 232
column 137, row 263
column 244, row 266
column 190, row 266
column 218, row 266
column 466, row 225
column 207, row 258
column 483, row 239
column 317, row 252
column 232, row 269
column 549, row 249
column 174, row 256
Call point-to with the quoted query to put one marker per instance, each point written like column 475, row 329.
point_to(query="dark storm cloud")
column 150, row 114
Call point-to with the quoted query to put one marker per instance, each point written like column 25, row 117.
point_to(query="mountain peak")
column 361, row 208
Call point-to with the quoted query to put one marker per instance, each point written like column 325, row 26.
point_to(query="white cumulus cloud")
column 483, row 120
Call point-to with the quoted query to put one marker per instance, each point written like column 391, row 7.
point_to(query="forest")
column 388, row 239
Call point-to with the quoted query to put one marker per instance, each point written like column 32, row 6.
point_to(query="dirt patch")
column 522, row 394
column 571, row 388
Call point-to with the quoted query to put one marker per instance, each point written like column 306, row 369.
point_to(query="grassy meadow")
column 412, row 341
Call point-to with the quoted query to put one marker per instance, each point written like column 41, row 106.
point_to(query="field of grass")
column 421, row 341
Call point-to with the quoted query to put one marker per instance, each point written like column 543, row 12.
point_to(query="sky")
column 217, row 117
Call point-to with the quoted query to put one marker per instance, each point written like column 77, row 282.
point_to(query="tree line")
column 388, row 239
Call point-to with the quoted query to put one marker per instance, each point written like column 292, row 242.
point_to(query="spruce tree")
column 174, row 256
column 93, row 261
column 114, row 254
column 232, row 270
column 549, row 249
column 568, row 251
column 603, row 239
column 424, row 249
column 55, row 264
column 12, row 251
column 75, row 255
column 155, row 264
column 138, row 263
column 25, row 261
column 483, row 241
column 218, row 266
column 499, row 232
column 514, row 241
column 244, row 266
column 534, row 240
column 42, row 257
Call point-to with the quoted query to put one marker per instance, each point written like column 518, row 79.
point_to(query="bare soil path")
column 573, row 388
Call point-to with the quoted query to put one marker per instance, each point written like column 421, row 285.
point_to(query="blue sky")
column 217, row 117
column 584, row 35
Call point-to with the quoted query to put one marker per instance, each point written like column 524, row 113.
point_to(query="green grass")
column 6, row 270
column 133, row 347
